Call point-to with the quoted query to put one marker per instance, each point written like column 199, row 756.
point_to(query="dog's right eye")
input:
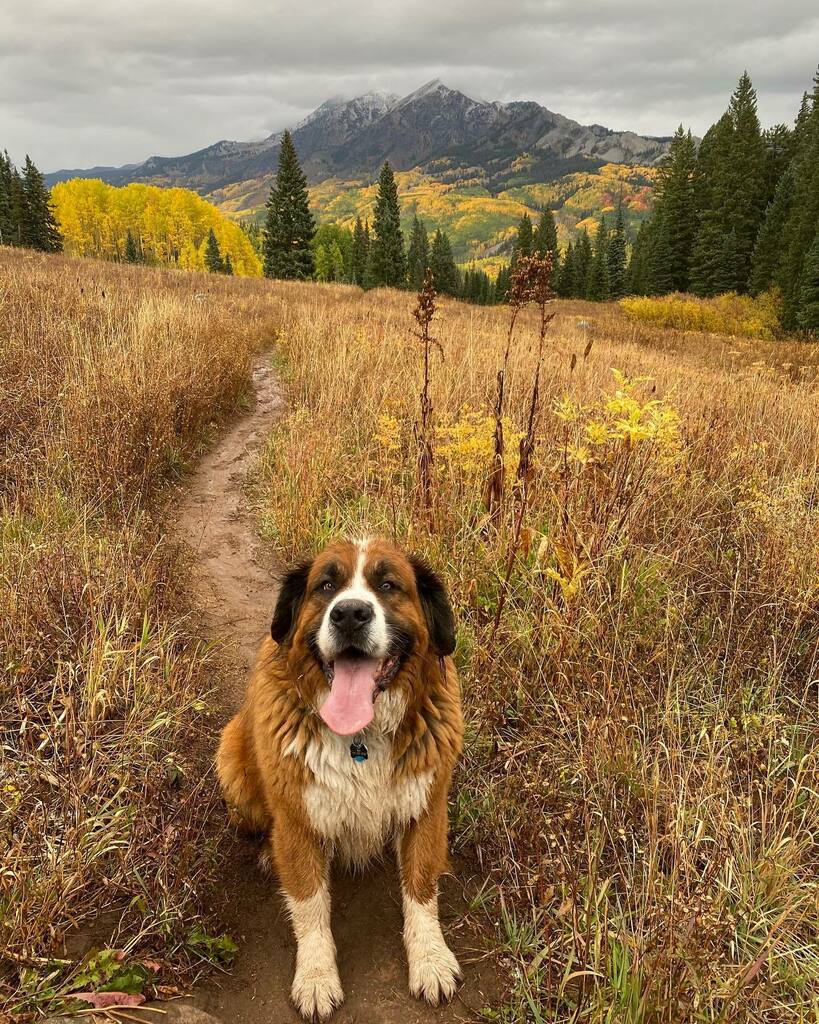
column 328, row 586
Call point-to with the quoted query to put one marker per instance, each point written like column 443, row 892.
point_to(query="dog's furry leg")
column 422, row 857
column 303, row 869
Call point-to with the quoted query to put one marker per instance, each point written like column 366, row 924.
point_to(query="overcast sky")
column 109, row 82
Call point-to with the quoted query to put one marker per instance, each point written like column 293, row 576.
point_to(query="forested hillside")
column 146, row 224
column 740, row 213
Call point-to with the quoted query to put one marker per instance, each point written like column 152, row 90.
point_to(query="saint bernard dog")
column 347, row 740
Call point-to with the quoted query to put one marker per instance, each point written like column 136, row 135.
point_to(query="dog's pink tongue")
column 349, row 707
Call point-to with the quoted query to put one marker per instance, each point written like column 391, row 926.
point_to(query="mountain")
column 438, row 130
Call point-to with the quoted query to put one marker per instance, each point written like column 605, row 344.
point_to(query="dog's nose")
column 350, row 615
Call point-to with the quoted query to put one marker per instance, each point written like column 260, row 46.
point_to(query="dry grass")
column 641, row 768
column 110, row 380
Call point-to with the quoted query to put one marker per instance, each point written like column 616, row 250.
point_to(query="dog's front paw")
column 434, row 974
column 317, row 990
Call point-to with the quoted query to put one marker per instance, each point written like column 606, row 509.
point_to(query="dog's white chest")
column 357, row 806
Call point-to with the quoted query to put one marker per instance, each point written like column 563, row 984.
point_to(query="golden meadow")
column 639, row 650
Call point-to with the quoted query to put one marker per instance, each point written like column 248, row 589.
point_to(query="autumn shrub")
column 110, row 380
column 639, row 781
column 730, row 313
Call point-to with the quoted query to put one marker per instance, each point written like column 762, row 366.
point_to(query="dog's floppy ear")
column 436, row 606
column 289, row 602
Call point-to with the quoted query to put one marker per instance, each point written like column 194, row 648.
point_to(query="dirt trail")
column 234, row 591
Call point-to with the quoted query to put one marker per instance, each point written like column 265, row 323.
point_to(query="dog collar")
column 358, row 750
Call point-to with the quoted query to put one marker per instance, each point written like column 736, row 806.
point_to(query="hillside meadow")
column 638, row 621
column 480, row 221
column 111, row 380
column 639, row 646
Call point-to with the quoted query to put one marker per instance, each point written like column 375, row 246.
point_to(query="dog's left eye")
column 387, row 585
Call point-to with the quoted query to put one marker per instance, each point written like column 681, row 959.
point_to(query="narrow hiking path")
column 233, row 590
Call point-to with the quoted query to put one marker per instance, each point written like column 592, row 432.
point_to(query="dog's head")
column 356, row 619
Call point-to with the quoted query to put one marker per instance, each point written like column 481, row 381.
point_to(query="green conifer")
column 213, row 255
column 617, row 257
column 388, row 262
column 289, row 226
column 808, row 309
column 417, row 255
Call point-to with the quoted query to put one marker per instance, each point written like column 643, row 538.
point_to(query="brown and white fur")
column 285, row 772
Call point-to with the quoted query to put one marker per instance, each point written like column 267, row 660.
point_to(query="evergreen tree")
column 441, row 263
column 638, row 273
column 802, row 223
column 37, row 227
column 582, row 265
column 710, row 188
column 8, row 218
column 132, row 253
column 675, row 216
column 388, row 263
column 525, row 241
column 808, row 311
column 360, row 252
column 747, row 192
column 617, row 257
column 289, row 227
column 503, row 283
column 768, row 248
column 213, row 255
column 227, row 265
column 597, row 288
column 545, row 238
column 417, row 255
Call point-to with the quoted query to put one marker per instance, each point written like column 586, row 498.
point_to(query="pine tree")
column 545, row 238
column 808, row 314
column 360, row 252
column 747, row 190
column 8, row 220
column 417, row 255
column 388, row 262
column 227, row 265
column 582, row 265
column 768, row 248
column 675, row 213
column 503, row 283
column 617, row 257
column 132, row 253
column 597, row 288
column 525, row 241
column 38, row 227
column 638, row 273
column 444, row 271
column 213, row 255
column 803, row 221
column 711, row 187
column 289, row 227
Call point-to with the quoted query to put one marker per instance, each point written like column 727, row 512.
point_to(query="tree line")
column 738, row 213
column 26, row 216
column 371, row 255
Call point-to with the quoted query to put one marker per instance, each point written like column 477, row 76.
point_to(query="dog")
column 346, row 740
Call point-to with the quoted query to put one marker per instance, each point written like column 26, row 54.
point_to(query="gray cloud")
column 109, row 82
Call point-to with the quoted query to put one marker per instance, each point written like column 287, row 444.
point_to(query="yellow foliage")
column 170, row 225
column 620, row 416
column 725, row 314
column 466, row 444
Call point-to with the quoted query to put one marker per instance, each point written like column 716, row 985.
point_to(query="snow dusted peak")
column 433, row 90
